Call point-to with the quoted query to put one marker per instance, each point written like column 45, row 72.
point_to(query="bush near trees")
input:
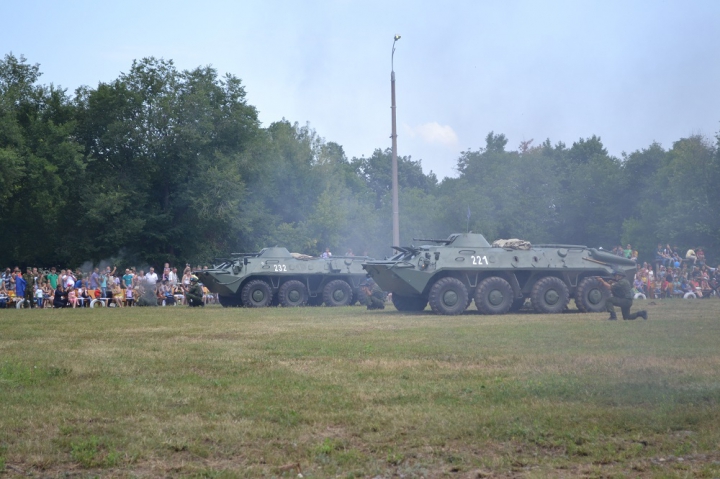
column 162, row 165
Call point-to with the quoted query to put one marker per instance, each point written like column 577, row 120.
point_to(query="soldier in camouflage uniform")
column 194, row 295
column 374, row 296
column 621, row 296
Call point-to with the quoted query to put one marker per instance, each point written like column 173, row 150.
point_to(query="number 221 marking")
column 479, row 260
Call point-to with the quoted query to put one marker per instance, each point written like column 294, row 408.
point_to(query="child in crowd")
column 39, row 297
column 129, row 296
column 47, row 295
column 72, row 297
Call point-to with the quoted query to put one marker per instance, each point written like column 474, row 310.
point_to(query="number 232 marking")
column 280, row 267
column 477, row 260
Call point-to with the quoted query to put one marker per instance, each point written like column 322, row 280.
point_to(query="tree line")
column 162, row 165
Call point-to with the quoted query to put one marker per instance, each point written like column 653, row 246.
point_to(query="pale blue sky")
column 631, row 72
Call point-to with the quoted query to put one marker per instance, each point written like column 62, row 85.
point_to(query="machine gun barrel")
column 445, row 241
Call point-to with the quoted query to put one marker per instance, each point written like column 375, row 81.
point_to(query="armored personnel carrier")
column 451, row 273
column 276, row 276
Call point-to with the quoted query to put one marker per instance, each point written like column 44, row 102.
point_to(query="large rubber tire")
column 292, row 294
column 494, row 295
column 448, row 296
column 591, row 295
column 550, row 295
column 98, row 303
column 256, row 294
column 229, row 301
column 409, row 303
column 337, row 293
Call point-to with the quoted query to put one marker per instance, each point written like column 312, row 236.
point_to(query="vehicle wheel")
column 409, row 303
column 591, row 295
column 448, row 296
column 494, row 295
column 292, row 293
column 97, row 303
column 337, row 293
column 228, row 301
column 550, row 295
column 256, row 294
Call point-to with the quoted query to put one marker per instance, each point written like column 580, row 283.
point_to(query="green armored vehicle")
column 276, row 276
column 449, row 274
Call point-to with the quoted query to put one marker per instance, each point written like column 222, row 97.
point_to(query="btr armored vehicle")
column 451, row 273
column 276, row 276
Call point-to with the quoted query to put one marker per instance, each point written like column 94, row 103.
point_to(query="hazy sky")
column 631, row 72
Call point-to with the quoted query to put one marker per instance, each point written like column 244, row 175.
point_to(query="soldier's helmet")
column 618, row 272
column 194, row 279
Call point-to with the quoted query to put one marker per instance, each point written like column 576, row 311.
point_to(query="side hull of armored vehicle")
column 276, row 276
column 450, row 274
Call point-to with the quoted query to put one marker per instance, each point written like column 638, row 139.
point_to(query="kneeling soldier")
column 194, row 295
column 374, row 297
column 621, row 296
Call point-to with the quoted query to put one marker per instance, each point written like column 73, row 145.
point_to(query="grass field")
column 344, row 392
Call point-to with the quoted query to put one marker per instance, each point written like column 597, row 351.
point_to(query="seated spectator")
column 60, row 297
column 117, row 295
column 72, row 297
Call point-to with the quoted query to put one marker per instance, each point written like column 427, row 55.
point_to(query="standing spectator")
column 349, row 252
column 691, row 256
column 187, row 275
column 327, row 253
column 20, row 285
column 39, row 296
column 127, row 279
column 151, row 278
column 172, row 278
column 52, row 278
column 627, row 252
column 7, row 278
column 700, row 257
column 95, row 279
column 29, row 292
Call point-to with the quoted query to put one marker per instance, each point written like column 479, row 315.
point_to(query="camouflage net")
column 512, row 244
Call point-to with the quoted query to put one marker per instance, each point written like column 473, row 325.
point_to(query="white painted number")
column 479, row 259
column 280, row 267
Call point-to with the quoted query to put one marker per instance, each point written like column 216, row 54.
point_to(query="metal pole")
column 395, row 200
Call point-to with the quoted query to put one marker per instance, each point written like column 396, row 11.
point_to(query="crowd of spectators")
column 53, row 288
column 672, row 274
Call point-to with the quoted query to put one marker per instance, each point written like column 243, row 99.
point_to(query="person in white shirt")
column 151, row 278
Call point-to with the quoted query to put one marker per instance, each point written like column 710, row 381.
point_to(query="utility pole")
column 395, row 200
